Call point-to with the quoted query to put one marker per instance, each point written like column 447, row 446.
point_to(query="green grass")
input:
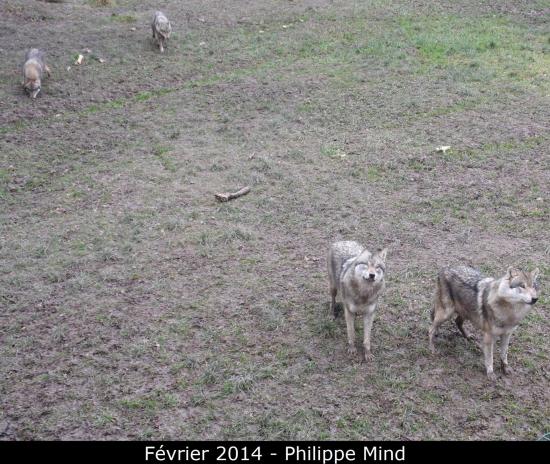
column 324, row 327
column 332, row 151
column 489, row 47
column 102, row 3
column 238, row 383
column 359, row 428
column 123, row 18
column 162, row 153
column 154, row 401
column 486, row 48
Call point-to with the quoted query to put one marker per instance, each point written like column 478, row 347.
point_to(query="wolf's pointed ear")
column 535, row 274
column 511, row 273
column 382, row 254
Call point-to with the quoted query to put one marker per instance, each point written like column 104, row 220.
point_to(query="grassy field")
column 133, row 305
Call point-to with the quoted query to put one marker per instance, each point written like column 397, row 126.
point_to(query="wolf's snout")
column 372, row 276
column 534, row 300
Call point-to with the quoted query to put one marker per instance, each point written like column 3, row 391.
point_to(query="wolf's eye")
column 522, row 286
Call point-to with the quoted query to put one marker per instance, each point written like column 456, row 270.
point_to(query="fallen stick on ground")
column 230, row 196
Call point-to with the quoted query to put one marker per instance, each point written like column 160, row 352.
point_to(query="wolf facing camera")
column 359, row 276
column 161, row 29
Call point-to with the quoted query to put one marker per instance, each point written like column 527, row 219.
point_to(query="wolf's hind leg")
column 442, row 310
column 441, row 314
column 460, row 324
column 333, row 307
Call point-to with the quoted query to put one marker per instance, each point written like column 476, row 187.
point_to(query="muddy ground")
column 134, row 306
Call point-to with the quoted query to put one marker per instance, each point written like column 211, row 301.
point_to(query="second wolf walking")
column 496, row 306
column 33, row 71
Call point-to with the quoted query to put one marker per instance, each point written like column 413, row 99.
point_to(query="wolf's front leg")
column 368, row 319
column 488, row 346
column 504, row 342
column 350, row 326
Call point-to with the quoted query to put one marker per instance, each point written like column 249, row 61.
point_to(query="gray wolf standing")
column 496, row 306
column 161, row 29
column 358, row 275
column 33, row 71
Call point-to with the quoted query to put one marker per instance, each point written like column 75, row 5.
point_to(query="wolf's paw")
column 507, row 369
column 352, row 351
column 369, row 357
column 491, row 376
